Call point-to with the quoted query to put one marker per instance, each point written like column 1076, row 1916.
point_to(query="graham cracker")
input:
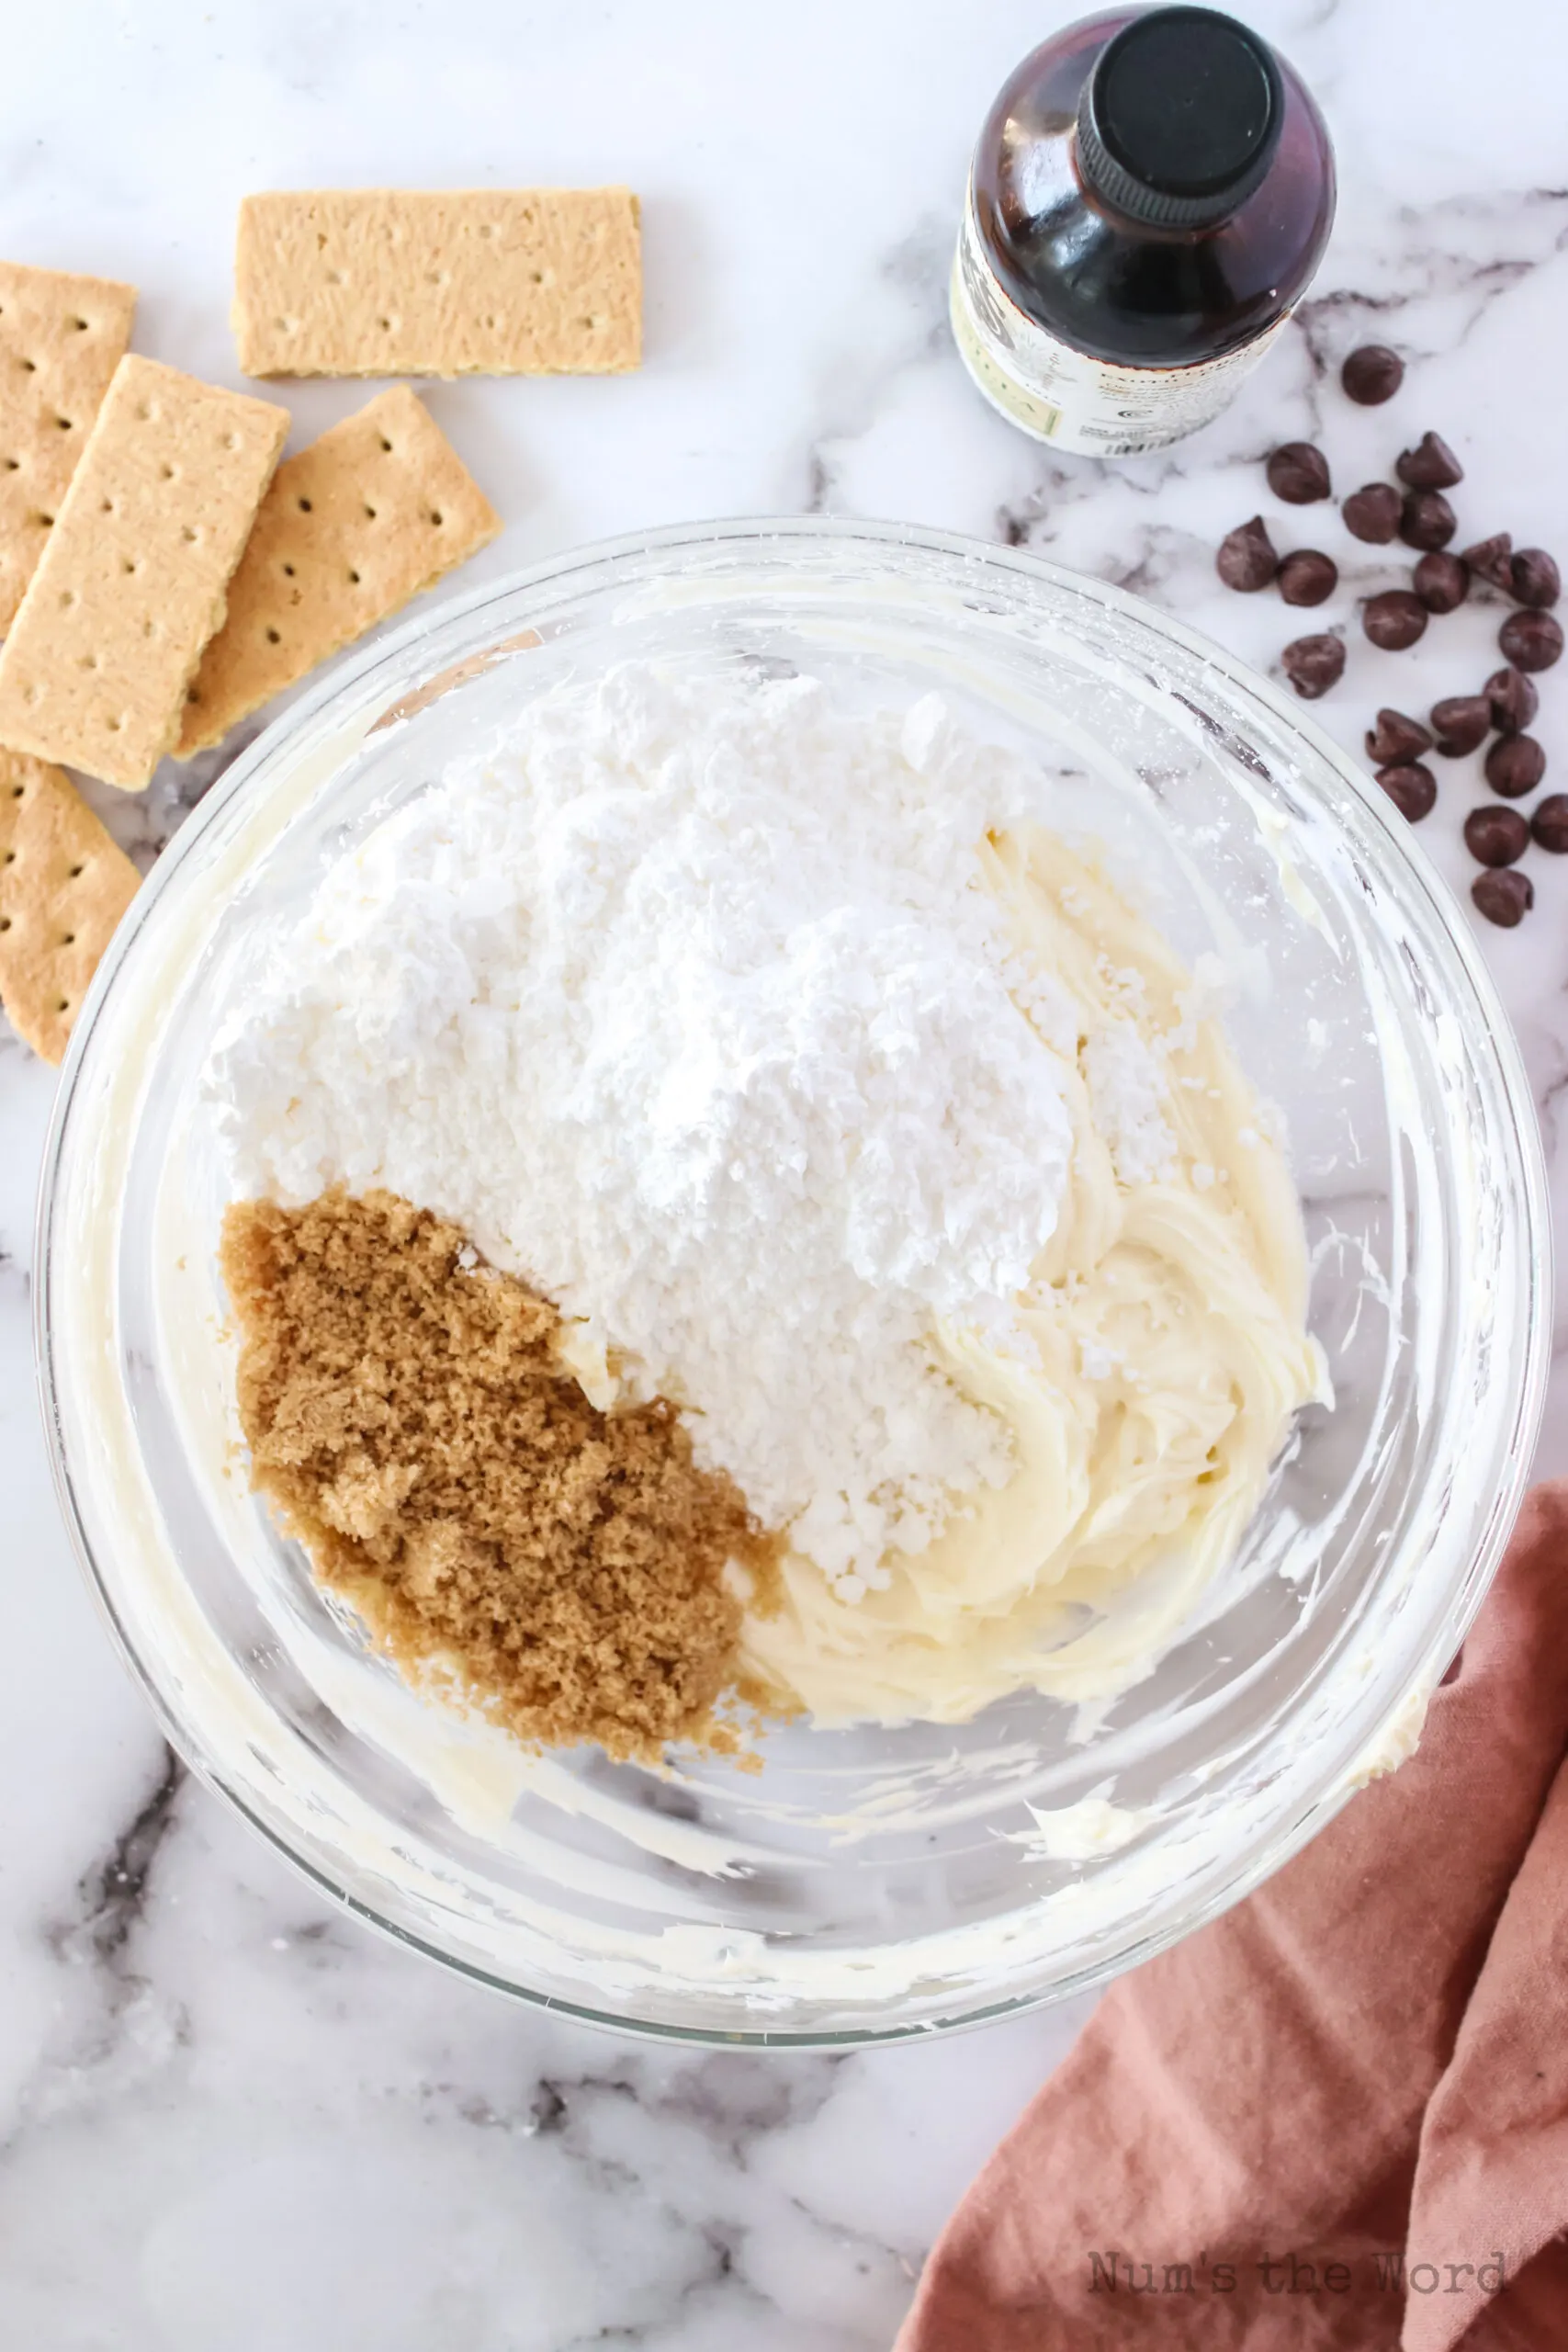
column 61, row 339
column 63, row 887
column 376, row 510
column 131, row 586
column 407, row 282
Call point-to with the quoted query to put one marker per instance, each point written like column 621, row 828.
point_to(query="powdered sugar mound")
column 688, row 1004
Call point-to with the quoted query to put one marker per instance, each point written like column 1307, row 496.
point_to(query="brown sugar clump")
column 411, row 1423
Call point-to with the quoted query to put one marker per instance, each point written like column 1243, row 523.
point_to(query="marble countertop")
column 231, row 2117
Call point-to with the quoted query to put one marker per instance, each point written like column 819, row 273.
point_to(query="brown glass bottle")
column 1151, row 194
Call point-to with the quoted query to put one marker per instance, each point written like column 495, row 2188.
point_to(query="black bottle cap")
column 1179, row 119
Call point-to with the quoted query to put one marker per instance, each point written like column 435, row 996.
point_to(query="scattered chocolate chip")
column 1506, row 898
column 1533, row 577
column 1308, row 578
column 1442, row 581
column 1395, row 620
column 1531, row 640
column 1515, row 765
column 1497, row 836
column 1413, row 789
column 1313, row 664
column 1550, row 822
column 1396, row 739
column 1431, row 464
column 1490, row 560
column 1373, row 374
column 1247, row 558
column 1461, row 723
column 1298, row 473
column 1427, row 520
column 1514, row 701
column 1372, row 512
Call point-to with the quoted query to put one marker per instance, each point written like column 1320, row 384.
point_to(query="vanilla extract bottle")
column 1151, row 194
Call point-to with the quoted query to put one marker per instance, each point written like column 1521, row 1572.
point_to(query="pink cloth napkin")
column 1337, row 2118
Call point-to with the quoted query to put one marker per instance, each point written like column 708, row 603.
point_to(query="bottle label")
column 1060, row 395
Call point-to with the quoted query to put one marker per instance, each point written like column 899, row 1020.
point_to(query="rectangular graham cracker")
column 131, row 586
column 63, row 887
column 376, row 510
column 403, row 282
column 61, row 338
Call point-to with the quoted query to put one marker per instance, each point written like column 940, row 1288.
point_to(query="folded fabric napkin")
column 1337, row 2118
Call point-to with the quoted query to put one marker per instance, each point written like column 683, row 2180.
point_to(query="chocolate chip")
column 1531, row 640
column 1427, row 520
column 1372, row 512
column 1413, row 789
column 1514, row 701
column 1490, row 560
column 1298, row 473
column 1308, row 578
column 1505, row 897
column 1372, row 375
column 1550, row 822
column 1395, row 620
column 1247, row 558
column 1313, row 664
column 1497, row 836
column 1442, row 581
column 1431, row 464
column 1515, row 765
column 1461, row 723
column 1533, row 577
column 1396, row 739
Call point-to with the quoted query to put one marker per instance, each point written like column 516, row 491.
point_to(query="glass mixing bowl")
column 865, row 1884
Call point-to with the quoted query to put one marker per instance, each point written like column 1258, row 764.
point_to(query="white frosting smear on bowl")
column 835, row 1101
